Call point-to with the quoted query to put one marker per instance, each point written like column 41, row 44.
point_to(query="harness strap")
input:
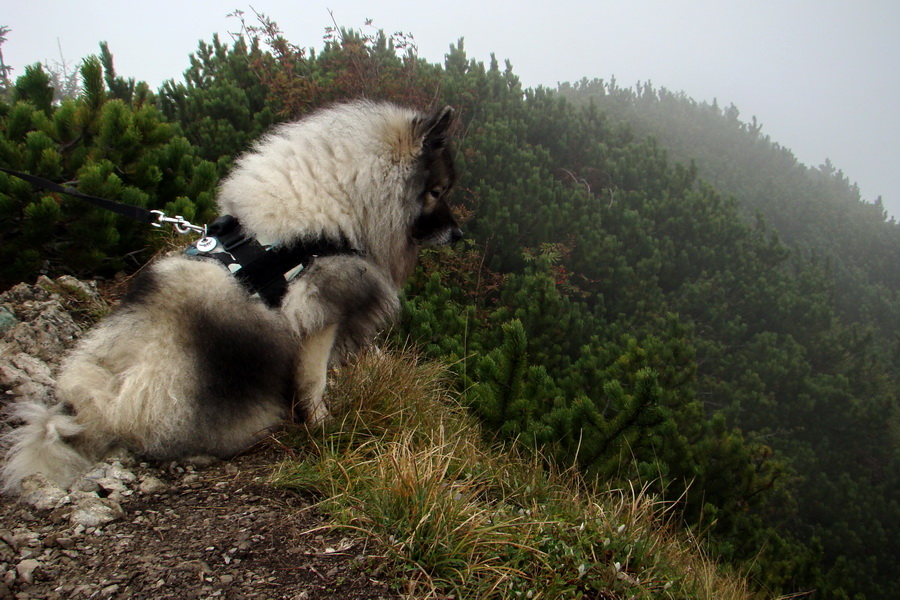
column 263, row 270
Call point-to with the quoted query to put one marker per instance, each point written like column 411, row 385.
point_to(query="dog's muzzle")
column 445, row 237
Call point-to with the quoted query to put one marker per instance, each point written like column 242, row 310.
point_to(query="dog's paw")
column 318, row 415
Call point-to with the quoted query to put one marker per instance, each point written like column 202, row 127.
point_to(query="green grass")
column 406, row 466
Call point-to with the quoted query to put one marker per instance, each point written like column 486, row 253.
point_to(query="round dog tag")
column 206, row 244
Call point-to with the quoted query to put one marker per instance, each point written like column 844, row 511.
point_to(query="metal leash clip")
column 181, row 225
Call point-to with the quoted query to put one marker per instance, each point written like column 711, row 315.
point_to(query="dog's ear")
column 434, row 131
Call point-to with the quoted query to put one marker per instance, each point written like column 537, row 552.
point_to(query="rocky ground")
column 130, row 529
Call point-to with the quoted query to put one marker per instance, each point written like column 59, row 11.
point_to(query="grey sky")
column 821, row 76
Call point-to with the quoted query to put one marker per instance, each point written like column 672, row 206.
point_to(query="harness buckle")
column 181, row 225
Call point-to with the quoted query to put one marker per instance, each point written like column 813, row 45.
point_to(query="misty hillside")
column 815, row 209
column 616, row 305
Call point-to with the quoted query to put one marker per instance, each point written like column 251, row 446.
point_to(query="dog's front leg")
column 311, row 372
column 340, row 301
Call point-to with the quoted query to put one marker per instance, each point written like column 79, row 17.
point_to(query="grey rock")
column 92, row 511
column 25, row 569
column 152, row 485
column 42, row 494
column 7, row 319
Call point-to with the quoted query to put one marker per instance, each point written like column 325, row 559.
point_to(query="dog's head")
column 375, row 175
column 433, row 221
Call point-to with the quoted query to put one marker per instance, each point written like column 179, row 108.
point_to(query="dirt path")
column 208, row 532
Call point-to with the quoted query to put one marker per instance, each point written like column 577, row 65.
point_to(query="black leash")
column 263, row 270
column 155, row 218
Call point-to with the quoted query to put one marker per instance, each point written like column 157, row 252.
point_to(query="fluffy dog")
column 200, row 360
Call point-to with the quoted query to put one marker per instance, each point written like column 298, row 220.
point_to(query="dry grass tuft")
column 405, row 464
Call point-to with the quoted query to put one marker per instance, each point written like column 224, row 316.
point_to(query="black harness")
column 264, row 270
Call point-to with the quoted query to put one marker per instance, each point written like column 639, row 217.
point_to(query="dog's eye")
column 433, row 193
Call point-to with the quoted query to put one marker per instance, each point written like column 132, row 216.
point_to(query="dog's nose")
column 455, row 235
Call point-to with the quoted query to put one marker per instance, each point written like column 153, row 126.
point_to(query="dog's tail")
column 40, row 446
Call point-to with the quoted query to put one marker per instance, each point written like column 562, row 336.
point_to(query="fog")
column 821, row 76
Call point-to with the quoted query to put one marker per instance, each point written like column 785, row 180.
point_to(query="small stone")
column 66, row 543
column 201, row 567
column 119, row 497
column 83, row 484
column 9, row 538
column 117, row 471
column 97, row 472
column 60, row 514
column 152, row 485
column 200, row 460
column 27, row 553
column 26, row 569
column 7, row 319
column 112, row 484
column 91, row 511
column 42, row 494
